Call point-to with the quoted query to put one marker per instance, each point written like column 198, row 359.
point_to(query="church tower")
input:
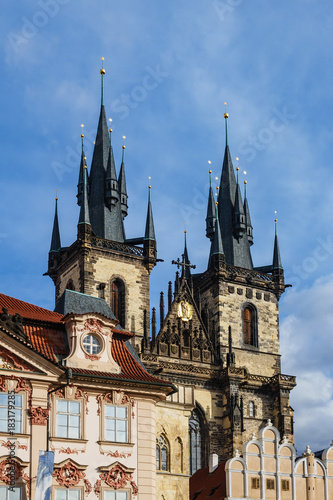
column 102, row 262
column 219, row 341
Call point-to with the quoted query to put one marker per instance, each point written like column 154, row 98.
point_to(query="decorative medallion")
column 68, row 475
column 117, row 398
column 185, row 311
column 118, row 477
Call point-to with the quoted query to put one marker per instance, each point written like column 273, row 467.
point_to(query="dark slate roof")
column 236, row 250
column 105, row 222
column 80, row 303
column 217, row 245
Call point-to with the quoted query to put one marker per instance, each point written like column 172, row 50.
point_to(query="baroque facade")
column 71, row 383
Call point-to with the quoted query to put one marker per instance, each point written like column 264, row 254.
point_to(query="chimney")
column 213, row 462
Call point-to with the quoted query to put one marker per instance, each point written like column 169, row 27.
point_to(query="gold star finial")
column 56, row 197
column 123, row 146
column 149, row 182
column 82, row 127
column 237, row 159
column 209, row 163
column 110, row 129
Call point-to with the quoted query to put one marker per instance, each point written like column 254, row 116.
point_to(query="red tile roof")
column 130, row 368
column 50, row 341
column 206, row 486
column 28, row 311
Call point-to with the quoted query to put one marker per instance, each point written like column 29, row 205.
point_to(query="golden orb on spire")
column 82, row 135
column 226, row 115
column 245, row 182
column 275, row 220
column 102, row 71
column 209, row 171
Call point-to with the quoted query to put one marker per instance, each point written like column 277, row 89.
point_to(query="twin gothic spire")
column 229, row 228
column 101, row 196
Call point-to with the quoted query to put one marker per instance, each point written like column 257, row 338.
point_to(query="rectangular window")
column 10, row 413
column 6, row 494
column 115, row 495
column 270, row 484
column 285, row 485
column 255, row 483
column 67, row 494
column 68, row 419
column 116, row 426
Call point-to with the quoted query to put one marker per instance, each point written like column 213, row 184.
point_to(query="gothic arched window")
column 250, row 326
column 118, row 300
column 162, row 453
column 196, row 441
column 70, row 285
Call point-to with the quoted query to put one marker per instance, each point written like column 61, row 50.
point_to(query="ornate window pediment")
column 116, row 476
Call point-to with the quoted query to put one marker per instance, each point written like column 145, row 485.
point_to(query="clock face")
column 91, row 344
column 185, row 311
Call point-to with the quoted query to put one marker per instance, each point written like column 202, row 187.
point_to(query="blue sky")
column 169, row 68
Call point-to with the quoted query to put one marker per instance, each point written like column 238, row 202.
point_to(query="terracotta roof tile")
column 28, row 311
column 131, row 369
column 50, row 342
column 206, row 486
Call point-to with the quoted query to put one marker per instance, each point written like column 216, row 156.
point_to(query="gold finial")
column 245, row 181
column 226, row 115
column 84, row 157
column 275, row 220
column 149, row 182
column 85, row 166
column 82, row 134
column 56, row 197
column 110, row 129
column 237, row 159
column 102, row 71
column 216, row 203
column 209, row 163
column 123, row 146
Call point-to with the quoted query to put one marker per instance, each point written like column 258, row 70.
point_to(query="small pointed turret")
column 210, row 219
column 111, row 183
column 122, row 185
column 249, row 228
column 277, row 264
column 150, row 231
column 239, row 222
column 55, row 240
column 186, row 270
column 84, row 210
column 230, row 354
column 216, row 249
column 82, row 164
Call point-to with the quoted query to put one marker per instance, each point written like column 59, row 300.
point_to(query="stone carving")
column 185, row 311
column 87, row 486
column 73, row 392
column 92, row 357
column 16, row 384
column 68, row 475
column 117, row 478
column 8, row 360
column 39, row 416
column 9, row 444
column 6, row 466
column 116, row 454
column 13, row 323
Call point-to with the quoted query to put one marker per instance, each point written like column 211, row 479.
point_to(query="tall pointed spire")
column 277, row 264
column 122, row 184
column 55, row 240
column 82, row 164
column 210, row 219
column 231, row 215
column 249, row 228
column 105, row 223
column 84, row 210
column 150, row 231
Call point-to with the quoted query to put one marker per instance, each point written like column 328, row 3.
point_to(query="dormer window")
column 91, row 344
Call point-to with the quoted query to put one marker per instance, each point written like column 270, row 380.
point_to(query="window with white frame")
column 91, row 344
column 116, row 495
column 10, row 413
column 68, row 419
column 67, row 494
column 7, row 494
column 116, row 423
column 252, row 409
